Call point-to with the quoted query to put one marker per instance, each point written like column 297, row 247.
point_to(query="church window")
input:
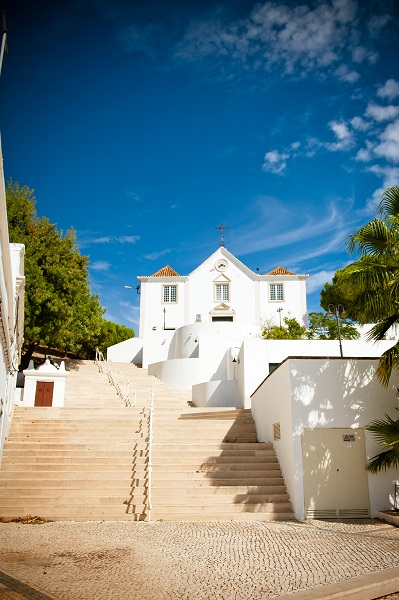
column 222, row 292
column 276, row 292
column 170, row 293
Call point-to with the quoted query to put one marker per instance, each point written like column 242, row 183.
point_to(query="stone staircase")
column 88, row 460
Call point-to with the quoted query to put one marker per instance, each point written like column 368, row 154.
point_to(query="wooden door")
column 44, row 393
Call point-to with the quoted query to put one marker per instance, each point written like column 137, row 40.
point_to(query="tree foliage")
column 323, row 327
column 60, row 310
column 291, row 331
column 372, row 282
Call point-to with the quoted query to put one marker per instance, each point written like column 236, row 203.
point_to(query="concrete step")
column 167, row 495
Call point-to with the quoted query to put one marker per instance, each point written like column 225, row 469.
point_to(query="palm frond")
column 379, row 330
column 389, row 360
column 385, row 431
column 373, row 238
column 388, row 206
column 383, row 461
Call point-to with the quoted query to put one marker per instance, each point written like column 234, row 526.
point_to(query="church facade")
column 221, row 289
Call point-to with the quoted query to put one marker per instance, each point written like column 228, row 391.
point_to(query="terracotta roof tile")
column 280, row 271
column 166, row 272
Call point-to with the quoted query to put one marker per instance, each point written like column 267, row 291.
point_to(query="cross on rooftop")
column 222, row 228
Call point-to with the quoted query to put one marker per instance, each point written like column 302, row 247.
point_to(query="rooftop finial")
column 222, row 227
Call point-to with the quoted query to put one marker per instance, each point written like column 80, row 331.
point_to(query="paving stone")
column 192, row 560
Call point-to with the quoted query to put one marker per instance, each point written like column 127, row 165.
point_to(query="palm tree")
column 386, row 432
column 373, row 280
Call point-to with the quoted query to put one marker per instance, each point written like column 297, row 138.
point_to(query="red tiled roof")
column 166, row 272
column 280, row 271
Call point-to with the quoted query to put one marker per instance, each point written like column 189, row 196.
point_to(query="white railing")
column 123, row 385
column 99, row 360
column 126, row 391
column 149, row 462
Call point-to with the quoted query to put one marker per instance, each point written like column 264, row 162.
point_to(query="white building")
column 314, row 411
column 202, row 332
column 12, row 284
column 221, row 289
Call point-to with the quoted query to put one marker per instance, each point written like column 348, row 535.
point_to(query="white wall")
column 215, row 393
column 130, row 351
column 326, row 393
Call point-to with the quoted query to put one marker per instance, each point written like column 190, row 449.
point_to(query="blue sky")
column 145, row 125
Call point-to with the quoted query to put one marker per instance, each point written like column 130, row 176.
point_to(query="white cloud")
column 317, row 280
column 296, row 37
column 382, row 113
column 389, row 176
column 340, row 129
column 360, row 124
column 343, row 134
column 130, row 312
column 275, row 162
column 389, row 146
column 345, row 74
column 389, row 90
column 377, row 23
column 114, row 239
column 365, row 154
column 100, row 265
column 155, row 255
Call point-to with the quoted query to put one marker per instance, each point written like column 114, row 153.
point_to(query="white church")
column 202, row 332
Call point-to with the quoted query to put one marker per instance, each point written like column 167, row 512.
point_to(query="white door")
column 334, row 475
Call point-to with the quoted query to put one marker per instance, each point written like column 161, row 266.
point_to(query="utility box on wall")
column 44, row 386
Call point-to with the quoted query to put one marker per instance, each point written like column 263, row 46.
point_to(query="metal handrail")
column 149, row 463
column 99, row 360
column 123, row 385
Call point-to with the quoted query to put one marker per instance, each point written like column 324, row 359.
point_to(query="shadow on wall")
column 334, row 392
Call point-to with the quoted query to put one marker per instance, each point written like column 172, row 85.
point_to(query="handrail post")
column 149, row 466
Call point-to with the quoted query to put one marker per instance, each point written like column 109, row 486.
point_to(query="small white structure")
column 314, row 411
column 44, row 386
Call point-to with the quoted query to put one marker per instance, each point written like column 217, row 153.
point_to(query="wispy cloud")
column 326, row 36
column 279, row 225
column 317, row 280
column 100, row 265
column 130, row 312
column 156, row 255
column 115, row 239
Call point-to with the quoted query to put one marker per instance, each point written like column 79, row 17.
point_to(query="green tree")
column 332, row 293
column 292, row 330
column 323, row 327
column 111, row 334
column 373, row 280
column 60, row 310
column 386, row 432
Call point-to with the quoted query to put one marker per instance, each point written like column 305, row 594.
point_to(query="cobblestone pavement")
column 235, row 560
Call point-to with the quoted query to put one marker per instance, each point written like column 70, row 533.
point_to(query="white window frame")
column 220, row 289
column 167, row 293
column 273, row 291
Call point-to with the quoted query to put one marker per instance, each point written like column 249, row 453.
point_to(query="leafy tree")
column 112, row 333
column 292, row 330
column 332, row 293
column 386, row 432
column 373, row 280
column 322, row 327
column 60, row 310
